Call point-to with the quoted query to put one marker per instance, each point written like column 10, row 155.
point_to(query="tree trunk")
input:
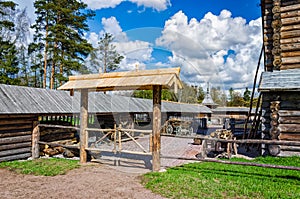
column 45, row 59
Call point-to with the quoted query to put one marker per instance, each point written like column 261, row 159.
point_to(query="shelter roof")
column 26, row 100
column 284, row 80
column 130, row 80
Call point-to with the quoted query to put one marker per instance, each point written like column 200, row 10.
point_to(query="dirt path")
column 113, row 177
column 97, row 181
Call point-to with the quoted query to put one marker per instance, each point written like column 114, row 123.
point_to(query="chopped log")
column 290, row 14
column 289, row 66
column 290, row 27
column 291, row 60
column 290, row 148
column 290, row 136
column 11, row 140
column 15, row 157
column 14, row 134
column 14, row 121
column 289, row 128
column 15, row 127
column 290, row 47
column 15, row 146
column 292, row 113
column 289, row 120
column 15, row 151
column 289, row 6
column 235, row 163
column 17, row 116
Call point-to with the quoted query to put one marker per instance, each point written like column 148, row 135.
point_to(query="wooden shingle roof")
column 285, row 80
column 130, row 80
column 26, row 100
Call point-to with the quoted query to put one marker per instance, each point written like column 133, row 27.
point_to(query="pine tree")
column 60, row 26
column 105, row 55
column 8, row 53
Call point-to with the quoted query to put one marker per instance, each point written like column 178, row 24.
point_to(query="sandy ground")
column 111, row 177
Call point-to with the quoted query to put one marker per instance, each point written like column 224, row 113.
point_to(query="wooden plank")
column 15, row 146
column 289, row 21
column 290, row 14
column 290, row 34
column 290, row 6
column 16, row 127
column 289, row 66
column 292, row 113
column 290, row 136
column 35, row 141
column 15, row 157
column 289, row 120
column 291, row 54
column 291, row 60
column 14, row 121
column 290, row 27
column 57, row 136
column 290, row 47
column 8, row 116
column 291, row 128
column 59, row 126
column 12, row 140
column 15, row 151
column 83, row 124
column 14, row 134
column 156, row 139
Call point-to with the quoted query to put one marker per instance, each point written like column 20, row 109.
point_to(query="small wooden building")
column 22, row 108
column 280, row 83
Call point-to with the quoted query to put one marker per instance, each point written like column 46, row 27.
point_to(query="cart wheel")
column 169, row 129
column 178, row 130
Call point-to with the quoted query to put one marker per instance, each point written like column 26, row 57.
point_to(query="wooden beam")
column 83, row 124
column 35, row 140
column 156, row 139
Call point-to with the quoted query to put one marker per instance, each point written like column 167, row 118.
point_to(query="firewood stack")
column 56, row 148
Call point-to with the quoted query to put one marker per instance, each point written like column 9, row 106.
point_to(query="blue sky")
column 216, row 41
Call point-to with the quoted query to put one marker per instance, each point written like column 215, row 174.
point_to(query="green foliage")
column 59, row 36
column 148, row 94
column 44, row 167
column 105, row 55
column 215, row 180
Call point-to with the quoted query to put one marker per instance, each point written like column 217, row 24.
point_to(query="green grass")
column 44, row 167
column 215, row 180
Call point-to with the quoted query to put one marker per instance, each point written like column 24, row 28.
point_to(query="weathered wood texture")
column 282, row 123
column 15, row 136
column 156, row 139
column 281, row 34
column 83, row 125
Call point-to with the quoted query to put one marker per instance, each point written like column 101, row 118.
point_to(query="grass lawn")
column 44, row 166
column 216, row 180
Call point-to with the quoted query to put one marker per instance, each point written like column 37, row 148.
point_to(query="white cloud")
column 134, row 52
column 99, row 4
column 218, row 48
column 158, row 5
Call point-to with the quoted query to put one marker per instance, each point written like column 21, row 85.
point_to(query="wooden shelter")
column 280, row 83
column 155, row 80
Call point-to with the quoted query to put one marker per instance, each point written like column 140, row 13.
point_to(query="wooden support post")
column 156, row 128
column 83, row 124
column 35, row 140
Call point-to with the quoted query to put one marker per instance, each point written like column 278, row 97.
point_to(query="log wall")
column 16, row 136
column 281, row 120
column 281, row 34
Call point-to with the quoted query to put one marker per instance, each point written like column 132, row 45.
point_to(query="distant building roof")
column 285, row 80
column 26, row 100
column 232, row 110
column 208, row 101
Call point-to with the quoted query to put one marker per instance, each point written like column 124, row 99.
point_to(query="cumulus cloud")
column 218, row 48
column 158, row 5
column 135, row 52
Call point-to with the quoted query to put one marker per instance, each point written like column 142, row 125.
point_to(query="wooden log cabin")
column 22, row 108
column 280, row 83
